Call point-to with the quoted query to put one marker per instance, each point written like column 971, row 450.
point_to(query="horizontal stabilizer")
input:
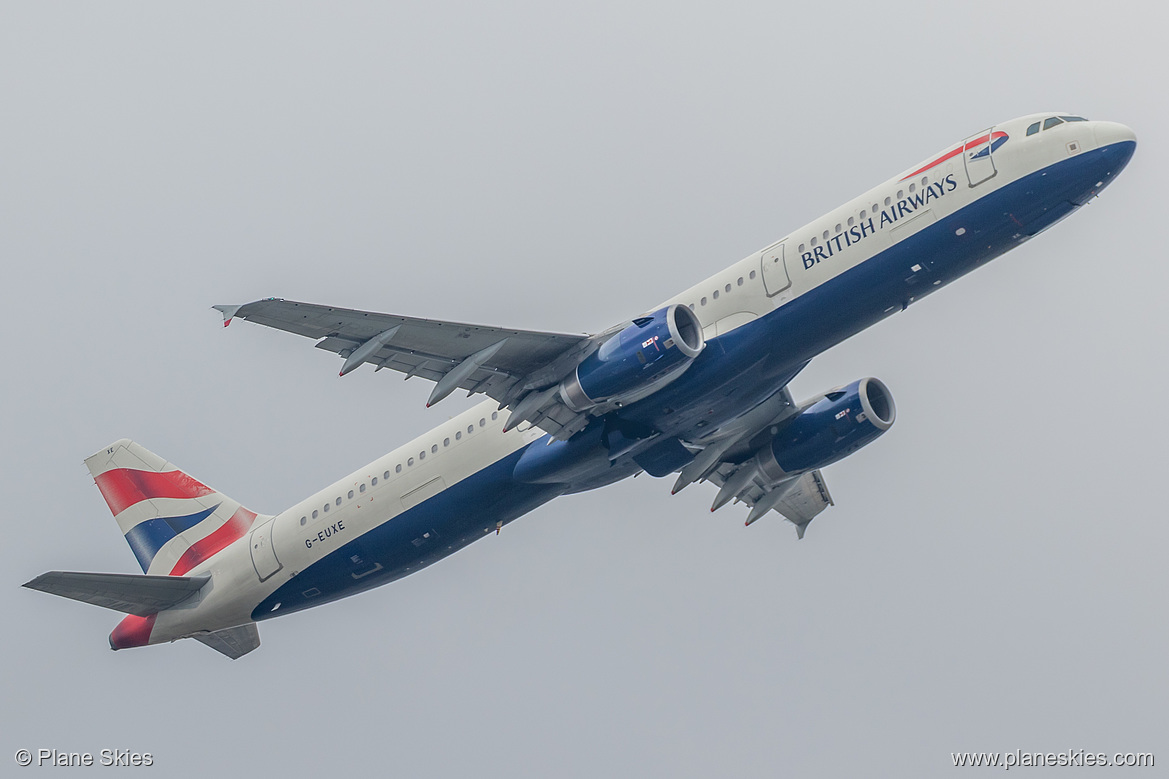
column 233, row 642
column 125, row 592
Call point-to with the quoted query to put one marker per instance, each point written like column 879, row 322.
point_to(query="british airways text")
column 870, row 226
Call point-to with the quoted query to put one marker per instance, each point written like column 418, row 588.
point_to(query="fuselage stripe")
column 961, row 148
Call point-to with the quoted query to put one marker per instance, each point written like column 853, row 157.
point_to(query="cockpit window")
column 1033, row 129
column 1073, row 118
column 1051, row 122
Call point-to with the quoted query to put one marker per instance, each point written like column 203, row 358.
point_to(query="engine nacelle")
column 830, row 429
column 636, row 362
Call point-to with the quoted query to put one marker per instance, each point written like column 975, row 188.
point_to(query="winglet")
column 228, row 312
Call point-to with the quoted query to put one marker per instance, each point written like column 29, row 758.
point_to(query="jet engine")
column 636, row 362
column 828, row 430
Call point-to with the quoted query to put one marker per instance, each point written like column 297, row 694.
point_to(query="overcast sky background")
column 992, row 577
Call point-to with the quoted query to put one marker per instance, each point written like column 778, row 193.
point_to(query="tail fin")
column 172, row 521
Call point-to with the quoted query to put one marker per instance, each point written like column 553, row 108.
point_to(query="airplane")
column 697, row 389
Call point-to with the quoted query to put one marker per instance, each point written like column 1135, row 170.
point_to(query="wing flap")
column 805, row 500
column 128, row 593
column 801, row 500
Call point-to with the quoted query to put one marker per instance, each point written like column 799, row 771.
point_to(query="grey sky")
column 991, row 578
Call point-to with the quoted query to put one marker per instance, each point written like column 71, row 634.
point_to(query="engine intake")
column 636, row 362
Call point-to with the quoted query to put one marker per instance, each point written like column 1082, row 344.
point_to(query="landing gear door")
column 263, row 554
column 978, row 158
column 774, row 270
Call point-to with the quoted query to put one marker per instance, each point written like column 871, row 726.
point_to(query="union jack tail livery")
column 172, row 521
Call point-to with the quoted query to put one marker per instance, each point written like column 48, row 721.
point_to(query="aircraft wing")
column 502, row 363
column 725, row 458
column 798, row 500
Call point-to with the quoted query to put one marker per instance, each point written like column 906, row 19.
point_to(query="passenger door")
column 978, row 157
column 774, row 270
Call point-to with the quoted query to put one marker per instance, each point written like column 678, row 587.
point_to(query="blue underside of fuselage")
column 733, row 374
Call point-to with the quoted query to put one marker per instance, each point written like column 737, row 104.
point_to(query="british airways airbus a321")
column 695, row 389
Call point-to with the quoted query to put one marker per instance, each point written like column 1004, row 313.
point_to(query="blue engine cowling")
column 830, row 429
column 636, row 362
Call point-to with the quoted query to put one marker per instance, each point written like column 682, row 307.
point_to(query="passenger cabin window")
column 397, row 468
column 1051, row 122
column 350, row 497
column 1033, row 129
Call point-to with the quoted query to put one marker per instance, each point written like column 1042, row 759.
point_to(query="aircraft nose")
column 1111, row 133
